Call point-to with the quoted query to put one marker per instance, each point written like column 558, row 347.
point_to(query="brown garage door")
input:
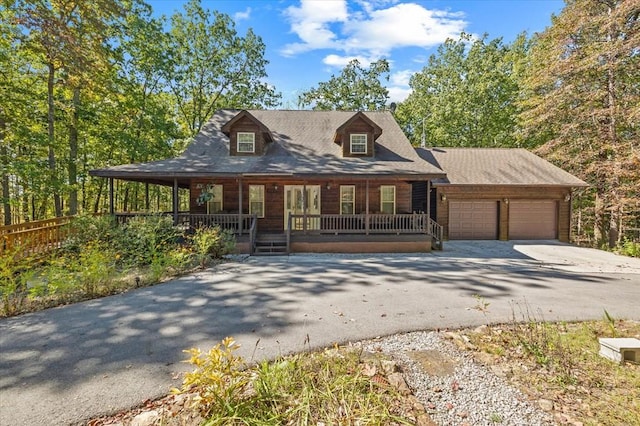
column 473, row 220
column 533, row 220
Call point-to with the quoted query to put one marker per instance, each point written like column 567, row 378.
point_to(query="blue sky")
column 309, row 40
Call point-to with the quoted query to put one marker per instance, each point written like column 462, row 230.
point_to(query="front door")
column 295, row 201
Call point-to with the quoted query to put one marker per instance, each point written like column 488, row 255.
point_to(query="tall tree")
column 213, row 67
column 583, row 103
column 355, row 89
column 69, row 37
column 467, row 94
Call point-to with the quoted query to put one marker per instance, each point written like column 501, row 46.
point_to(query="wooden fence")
column 33, row 238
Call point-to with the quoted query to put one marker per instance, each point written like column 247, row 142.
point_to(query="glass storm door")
column 295, row 201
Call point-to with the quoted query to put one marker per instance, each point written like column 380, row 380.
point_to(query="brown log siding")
column 274, row 198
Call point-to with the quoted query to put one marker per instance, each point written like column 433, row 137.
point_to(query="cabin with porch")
column 301, row 181
column 344, row 181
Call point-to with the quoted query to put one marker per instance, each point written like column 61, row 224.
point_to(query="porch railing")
column 238, row 224
column 32, row 238
column 415, row 223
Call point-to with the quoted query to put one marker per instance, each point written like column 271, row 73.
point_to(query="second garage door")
column 473, row 220
column 533, row 220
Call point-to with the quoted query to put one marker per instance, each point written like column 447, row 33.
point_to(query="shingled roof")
column 303, row 145
column 496, row 166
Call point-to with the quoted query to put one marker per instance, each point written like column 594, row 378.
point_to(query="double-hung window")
column 358, row 143
column 256, row 200
column 246, row 142
column 347, row 199
column 388, row 199
column 214, row 205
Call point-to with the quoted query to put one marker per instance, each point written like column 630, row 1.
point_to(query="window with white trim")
column 388, row 199
column 256, row 200
column 358, row 143
column 214, row 205
column 246, row 142
column 347, row 199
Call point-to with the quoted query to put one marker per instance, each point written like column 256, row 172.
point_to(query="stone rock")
column 483, row 329
column 146, row 418
column 545, row 404
column 397, row 381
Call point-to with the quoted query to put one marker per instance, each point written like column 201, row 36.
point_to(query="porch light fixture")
column 567, row 198
column 443, row 197
column 506, row 201
column 275, row 186
column 329, row 185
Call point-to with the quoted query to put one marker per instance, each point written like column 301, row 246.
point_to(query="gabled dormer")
column 247, row 135
column 357, row 136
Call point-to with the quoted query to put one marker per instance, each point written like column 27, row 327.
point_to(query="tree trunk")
column 72, row 167
column 4, row 157
column 599, row 218
column 57, row 202
column 96, row 205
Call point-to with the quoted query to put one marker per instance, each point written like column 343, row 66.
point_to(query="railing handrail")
column 362, row 223
column 25, row 226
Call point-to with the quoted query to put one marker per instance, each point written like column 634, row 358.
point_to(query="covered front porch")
column 360, row 233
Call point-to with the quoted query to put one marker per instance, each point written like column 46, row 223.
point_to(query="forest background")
column 86, row 85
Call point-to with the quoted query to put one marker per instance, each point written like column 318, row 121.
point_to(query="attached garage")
column 473, row 220
column 533, row 220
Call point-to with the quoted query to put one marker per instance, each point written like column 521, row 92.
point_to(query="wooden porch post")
column 366, row 221
column 240, row 206
column 111, row 206
column 304, row 207
column 147, row 205
column 175, row 201
column 428, row 212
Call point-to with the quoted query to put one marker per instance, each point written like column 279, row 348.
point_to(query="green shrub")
column 85, row 229
column 211, row 243
column 14, row 275
column 630, row 248
column 144, row 238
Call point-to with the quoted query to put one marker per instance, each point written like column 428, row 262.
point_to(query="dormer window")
column 358, row 143
column 246, row 142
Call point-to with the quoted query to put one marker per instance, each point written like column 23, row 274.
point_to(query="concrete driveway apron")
column 68, row 364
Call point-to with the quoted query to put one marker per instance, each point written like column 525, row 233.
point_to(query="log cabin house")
column 339, row 181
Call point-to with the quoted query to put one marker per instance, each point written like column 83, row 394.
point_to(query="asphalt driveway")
column 68, row 364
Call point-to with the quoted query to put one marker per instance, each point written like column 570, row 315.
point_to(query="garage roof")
column 496, row 166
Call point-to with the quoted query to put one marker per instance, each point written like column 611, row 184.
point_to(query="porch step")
column 271, row 245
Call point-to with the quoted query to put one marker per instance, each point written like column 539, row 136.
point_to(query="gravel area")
column 470, row 394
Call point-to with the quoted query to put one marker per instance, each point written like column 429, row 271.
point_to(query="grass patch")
column 559, row 362
column 334, row 386
column 100, row 258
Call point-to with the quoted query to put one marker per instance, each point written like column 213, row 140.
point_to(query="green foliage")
column 581, row 102
column 145, row 238
column 211, row 243
column 355, row 89
column 85, row 229
column 14, row 275
column 211, row 66
column 630, row 248
column 328, row 387
column 466, row 95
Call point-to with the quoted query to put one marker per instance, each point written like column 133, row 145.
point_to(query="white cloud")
column 398, row 94
column 401, row 78
column 239, row 16
column 341, row 61
column 310, row 22
column 378, row 27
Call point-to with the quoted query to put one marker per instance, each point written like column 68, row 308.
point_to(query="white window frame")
column 259, row 200
column 358, row 143
column 383, row 201
column 217, row 196
column 240, row 142
column 343, row 190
